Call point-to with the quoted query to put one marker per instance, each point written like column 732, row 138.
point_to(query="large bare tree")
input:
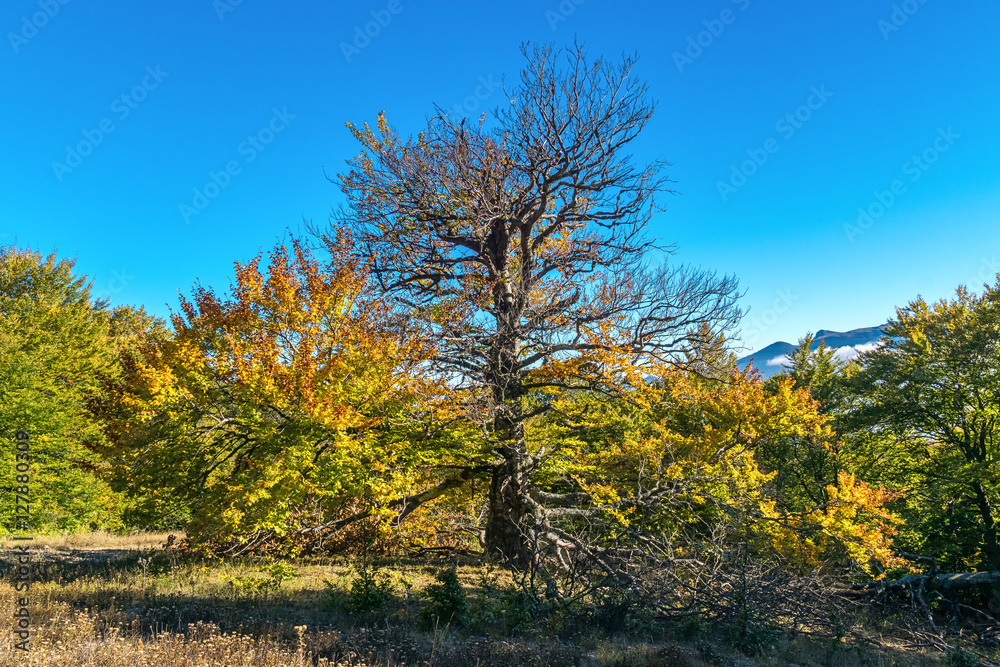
column 522, row 239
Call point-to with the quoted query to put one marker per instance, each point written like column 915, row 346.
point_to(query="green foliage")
column 817, row 368
column 805, row 465
column 619, row 611
column 692, row 625
column 750, row 632
column 711, row 654
column 370, row 590
column 279, row 572
column 519, row 609
column 446, row 601
column 499, row 611
column 246, row 585
column 958, row 657
column 114, row 407
column 251, row 585
column 484, row 610
column 55, row 348
column 613, row 609
column 709, row 355
column 927, row 417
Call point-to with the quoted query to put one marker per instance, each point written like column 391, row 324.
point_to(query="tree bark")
column 508, row 518
column 990, row 545
column 507, row 523
column 944, row 581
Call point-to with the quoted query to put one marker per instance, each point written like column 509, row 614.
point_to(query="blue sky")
column 781, row 120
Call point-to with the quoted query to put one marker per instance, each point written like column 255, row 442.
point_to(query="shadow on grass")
column 148, row 594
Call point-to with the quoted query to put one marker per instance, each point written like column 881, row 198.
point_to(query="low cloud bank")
column 845, row 353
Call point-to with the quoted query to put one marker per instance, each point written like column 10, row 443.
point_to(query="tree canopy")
column 931, row 395
column 277, row 408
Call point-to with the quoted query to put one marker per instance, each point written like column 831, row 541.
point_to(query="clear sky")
column 781, row 120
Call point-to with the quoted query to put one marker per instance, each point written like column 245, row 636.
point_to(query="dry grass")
column 103, row 602
column 99, row 539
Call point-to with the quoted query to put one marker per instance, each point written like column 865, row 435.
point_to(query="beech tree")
column 521, row 242
column 662, row 483
column 264, row 414
column 924, row 418
column 804, row 467
column 54, row 349
column 929, row 397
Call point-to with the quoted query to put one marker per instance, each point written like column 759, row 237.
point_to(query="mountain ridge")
column 768, row 360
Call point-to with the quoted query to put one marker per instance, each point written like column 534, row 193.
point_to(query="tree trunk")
column 508, row 520
column 507, row 523
column 990, row 545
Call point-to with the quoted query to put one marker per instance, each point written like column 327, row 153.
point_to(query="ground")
column 99, row 600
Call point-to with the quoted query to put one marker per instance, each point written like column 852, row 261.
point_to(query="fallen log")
column 941, row 581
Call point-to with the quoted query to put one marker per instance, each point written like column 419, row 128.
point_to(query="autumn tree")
column 665, row 478
column 270, row 412
column 523, row 241
column 113, row 406
column 805, row 467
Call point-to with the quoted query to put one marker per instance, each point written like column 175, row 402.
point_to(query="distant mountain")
column 771, row 359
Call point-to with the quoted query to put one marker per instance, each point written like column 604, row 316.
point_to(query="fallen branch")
column 950, row 581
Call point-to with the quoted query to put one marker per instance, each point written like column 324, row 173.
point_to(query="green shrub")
column 485, row 611
column 961, row 658
column 501, row 611
column 519, row 608
column 612, row 609
column 279, row 571
column 691, row 626
column 370, row 590
column 446, row 601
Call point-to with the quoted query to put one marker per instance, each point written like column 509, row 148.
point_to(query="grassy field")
column 101, row 601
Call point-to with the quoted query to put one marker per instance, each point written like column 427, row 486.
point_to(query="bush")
column 498, row 611
column 447, row 601
column 961, row 658
column 279, row 571
column 370, row 591
column 518, row 610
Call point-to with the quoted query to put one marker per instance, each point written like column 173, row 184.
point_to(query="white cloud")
column 845, row 353
column 848, row 352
